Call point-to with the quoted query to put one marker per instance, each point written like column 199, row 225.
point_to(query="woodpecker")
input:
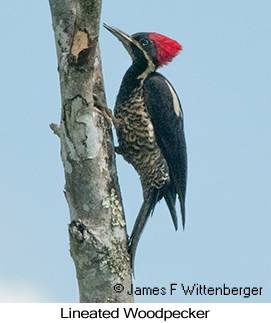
column 148, row 118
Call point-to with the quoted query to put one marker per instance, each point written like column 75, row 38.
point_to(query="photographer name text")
column 192, row 290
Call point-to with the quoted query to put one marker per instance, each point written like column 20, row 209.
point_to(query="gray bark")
column 98, row 240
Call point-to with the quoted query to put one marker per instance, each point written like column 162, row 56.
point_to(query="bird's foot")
column 107, row 113
column 118, row 150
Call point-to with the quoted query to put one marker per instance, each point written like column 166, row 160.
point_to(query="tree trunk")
column 98, row 240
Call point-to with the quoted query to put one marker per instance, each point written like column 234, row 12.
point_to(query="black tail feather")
column 170, row 198
column 143, row 215
column 182, row 210
column 147, row 209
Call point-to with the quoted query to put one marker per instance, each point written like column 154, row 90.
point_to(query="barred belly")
column 137, row 142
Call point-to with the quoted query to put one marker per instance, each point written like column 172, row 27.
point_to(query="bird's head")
column 157, row 49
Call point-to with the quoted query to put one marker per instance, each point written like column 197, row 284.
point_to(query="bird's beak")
column 124, row 38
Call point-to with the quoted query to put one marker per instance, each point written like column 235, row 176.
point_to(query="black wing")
column 167, row 117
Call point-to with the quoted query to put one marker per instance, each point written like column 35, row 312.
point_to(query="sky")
column 223, row 79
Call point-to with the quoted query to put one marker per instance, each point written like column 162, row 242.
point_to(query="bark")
column 98, row 240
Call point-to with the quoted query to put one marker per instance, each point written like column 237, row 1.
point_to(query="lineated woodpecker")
column 149, row 123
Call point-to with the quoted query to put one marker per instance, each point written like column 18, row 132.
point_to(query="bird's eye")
column 145, row 42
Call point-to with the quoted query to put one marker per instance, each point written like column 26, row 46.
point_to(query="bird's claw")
column 118, row 150
column 107, row 113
